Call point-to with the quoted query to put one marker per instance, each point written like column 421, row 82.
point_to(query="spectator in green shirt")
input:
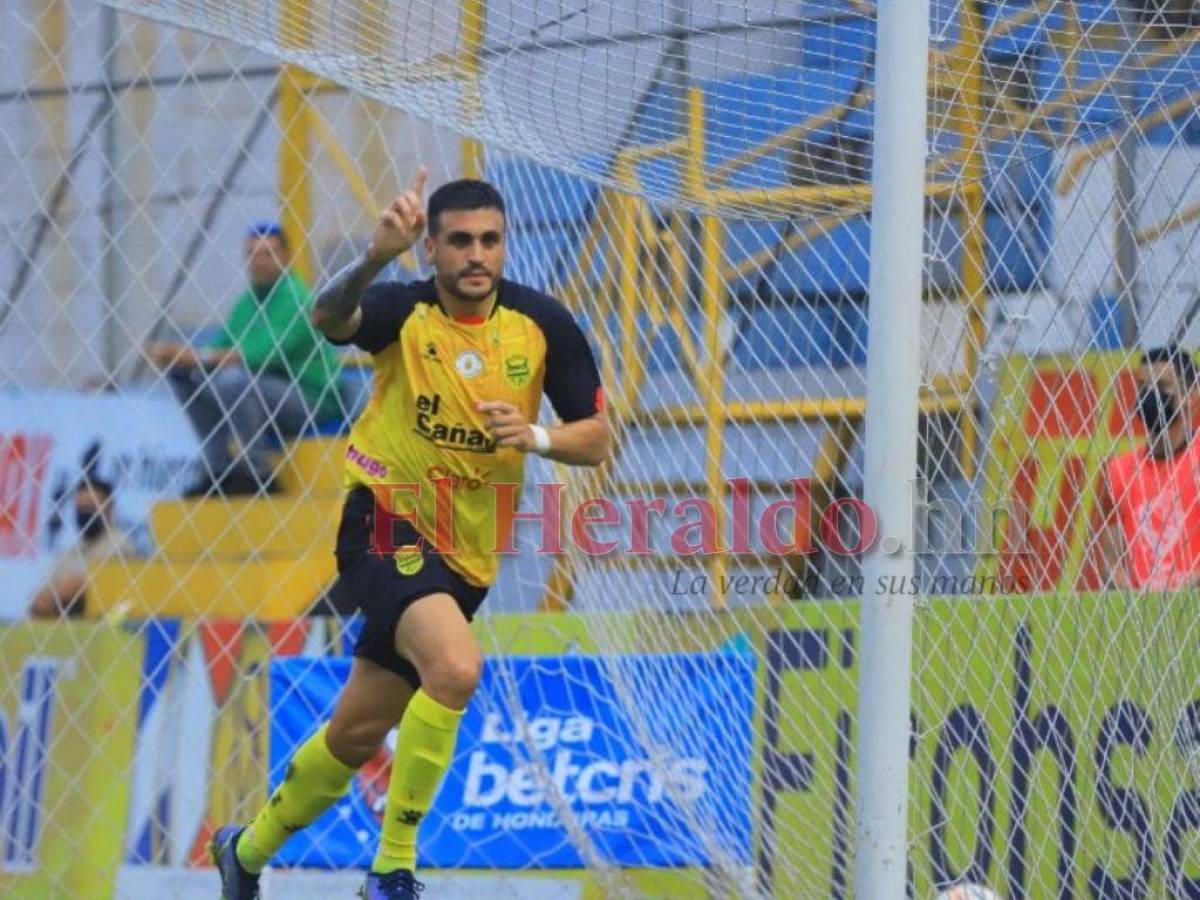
column 266, row 373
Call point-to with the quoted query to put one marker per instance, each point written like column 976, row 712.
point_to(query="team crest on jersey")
column 516, row 370
column 409, row 563
column 469, row 364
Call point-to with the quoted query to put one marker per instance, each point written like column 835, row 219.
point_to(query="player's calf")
column 314, row 780
column 355, row 741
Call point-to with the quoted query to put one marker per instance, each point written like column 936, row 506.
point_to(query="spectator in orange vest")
column 1152, row 507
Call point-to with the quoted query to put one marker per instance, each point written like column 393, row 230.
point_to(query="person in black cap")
column 64, row 593
column 266, row 373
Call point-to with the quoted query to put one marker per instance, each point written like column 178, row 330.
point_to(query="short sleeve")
column 572, row 380
column 385, row 306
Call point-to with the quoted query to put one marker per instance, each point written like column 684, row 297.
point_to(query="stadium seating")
column 227, row 556
column 781, row 337
column 831, row 58
column 1104, row 317
column 221, row 557
column 819, row 85
column 545, row 228
column 1030, row 35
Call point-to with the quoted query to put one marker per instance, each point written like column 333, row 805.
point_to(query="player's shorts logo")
column 469, row 364
column 409, row 562
column 516, row 370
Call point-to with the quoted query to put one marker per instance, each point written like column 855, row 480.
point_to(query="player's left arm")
column 583, row 442
column 572, row 384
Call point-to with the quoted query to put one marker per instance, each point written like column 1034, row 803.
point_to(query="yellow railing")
column 1080, row 158
column 634, row 244
column 965, row 164
column 622, row 240
column 295, row 184
column 967, row 64
column 965, row 51
column 472, row 24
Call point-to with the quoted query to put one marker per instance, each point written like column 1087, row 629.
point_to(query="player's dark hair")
column 1179, row 359
column 466, row 193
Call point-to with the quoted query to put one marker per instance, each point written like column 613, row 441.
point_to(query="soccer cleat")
column 236, row 882
column 398, row 885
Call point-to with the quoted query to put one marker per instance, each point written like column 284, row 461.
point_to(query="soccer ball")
column 968, row 892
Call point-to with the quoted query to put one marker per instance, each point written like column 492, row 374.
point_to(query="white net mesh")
column 693, row 180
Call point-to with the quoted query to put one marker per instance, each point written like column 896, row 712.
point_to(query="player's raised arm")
column 337, row 311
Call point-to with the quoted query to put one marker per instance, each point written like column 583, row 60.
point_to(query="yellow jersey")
column 421, row 437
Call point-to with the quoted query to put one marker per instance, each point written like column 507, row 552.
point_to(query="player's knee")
column 451, row 681
column 355, row 743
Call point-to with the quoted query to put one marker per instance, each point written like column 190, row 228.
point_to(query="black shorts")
column 382, row 585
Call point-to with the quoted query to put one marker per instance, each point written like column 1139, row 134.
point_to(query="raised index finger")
column 419, row 179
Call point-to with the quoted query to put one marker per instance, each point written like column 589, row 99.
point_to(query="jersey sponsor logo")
column 465, row 482
column 516, row 370
column 469, row 364
column 409, row 562
column 371, row 466
column 581, row 775
column 452, row 436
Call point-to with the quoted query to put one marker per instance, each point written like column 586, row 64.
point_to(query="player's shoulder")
column 550, row 313
column 386, row 306
column 404, row 292
column 392, row 301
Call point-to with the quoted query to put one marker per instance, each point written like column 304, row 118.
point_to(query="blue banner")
column 547, row 739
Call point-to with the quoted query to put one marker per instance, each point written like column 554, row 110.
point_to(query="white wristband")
column 541, row 440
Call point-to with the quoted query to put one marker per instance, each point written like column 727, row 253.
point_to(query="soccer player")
column 461, row 362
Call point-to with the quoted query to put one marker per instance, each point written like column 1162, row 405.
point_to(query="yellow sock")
column 315, row 780
column 424, row 746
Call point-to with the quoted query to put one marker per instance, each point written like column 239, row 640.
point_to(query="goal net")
column 670, row 704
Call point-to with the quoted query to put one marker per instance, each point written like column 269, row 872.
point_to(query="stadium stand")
column 797, row 327
column 222, row 557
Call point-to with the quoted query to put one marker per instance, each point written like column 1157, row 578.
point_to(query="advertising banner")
column 200, row 758
column 546, row 746
column 45, row 437
column 1053, row 751
column 66, row 741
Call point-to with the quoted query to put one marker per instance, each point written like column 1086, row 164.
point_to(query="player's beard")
column 452, row 285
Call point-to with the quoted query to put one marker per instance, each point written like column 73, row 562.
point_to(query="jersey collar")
column 468, row 320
